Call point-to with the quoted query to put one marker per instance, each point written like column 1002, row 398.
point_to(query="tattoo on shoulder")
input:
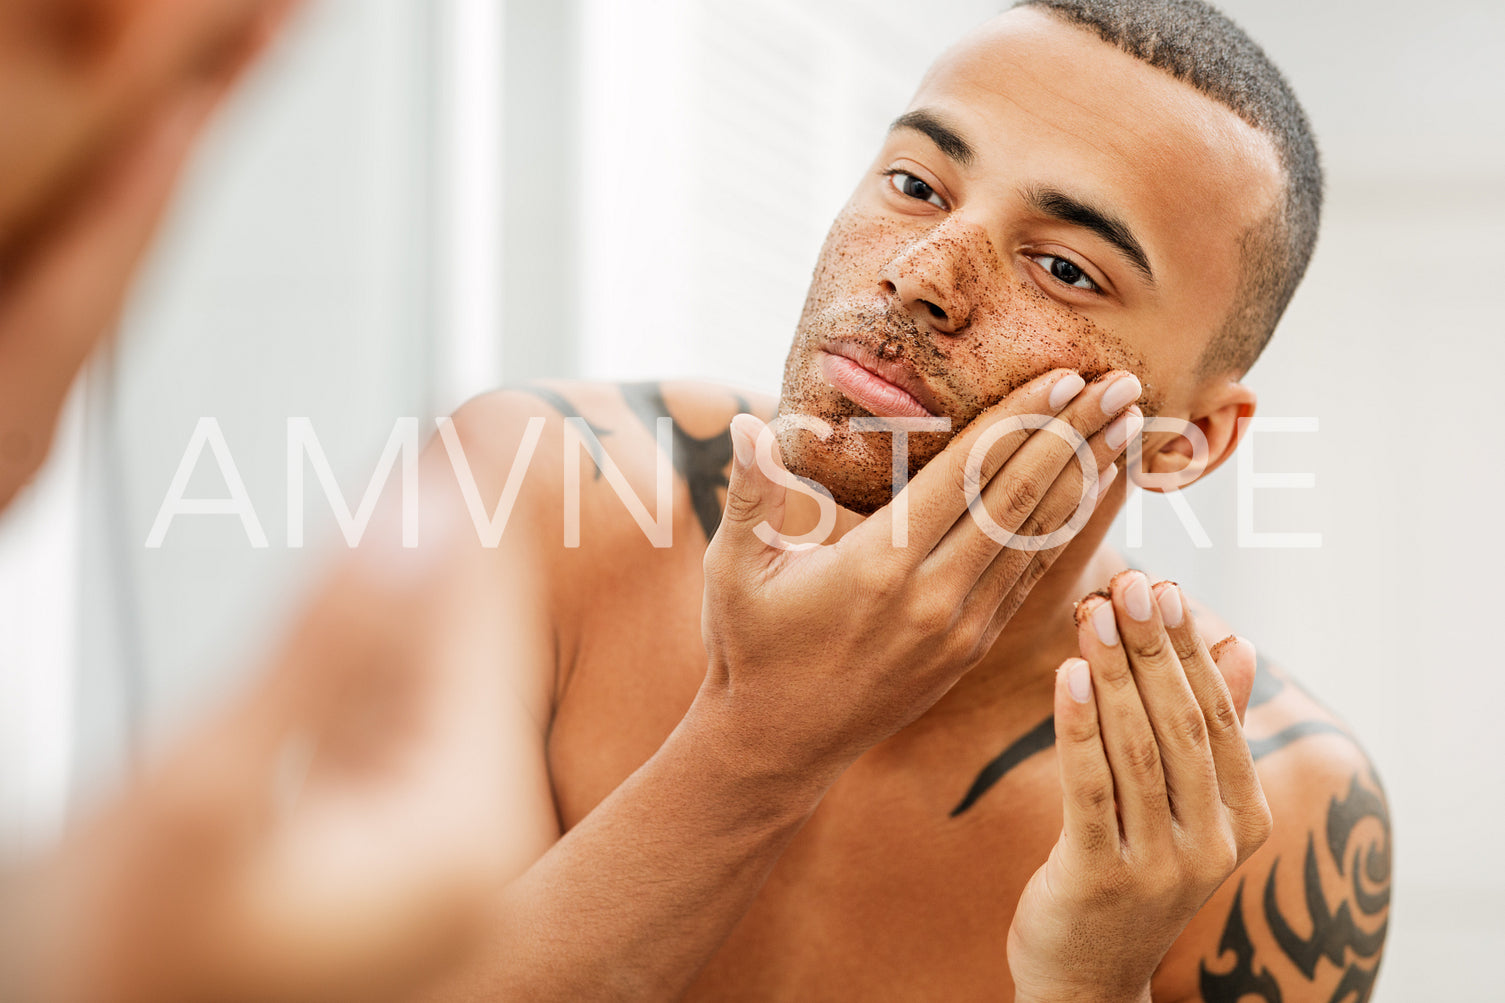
column 701, row 462
column 1270, row 683
column 562, row 404
column 1267, row 685
column 1345, row 939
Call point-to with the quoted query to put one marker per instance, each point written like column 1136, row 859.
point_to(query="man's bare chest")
column 885, row 894
column 909, row 869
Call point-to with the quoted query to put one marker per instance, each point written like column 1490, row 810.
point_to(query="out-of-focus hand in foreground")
column 333, row 835
column 101, row 101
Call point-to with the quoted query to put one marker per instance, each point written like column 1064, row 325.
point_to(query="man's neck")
column 1019, row 667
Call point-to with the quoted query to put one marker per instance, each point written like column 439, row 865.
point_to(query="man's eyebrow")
column 1057, row 204
column 943, row 135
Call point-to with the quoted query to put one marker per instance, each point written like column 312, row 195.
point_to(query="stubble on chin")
column 855, row 467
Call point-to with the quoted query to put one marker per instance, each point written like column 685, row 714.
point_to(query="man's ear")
column 1174, row 458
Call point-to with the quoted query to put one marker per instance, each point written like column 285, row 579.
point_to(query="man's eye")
column 908, row 184
column 1065, row 271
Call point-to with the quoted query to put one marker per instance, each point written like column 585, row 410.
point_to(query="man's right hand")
column 821, row 653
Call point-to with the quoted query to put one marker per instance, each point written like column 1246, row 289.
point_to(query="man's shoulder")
column 606, row 441
column 1292, row 734
column 698, row 409
column 1310, row 761
column 571, row 397
column 1304, row 918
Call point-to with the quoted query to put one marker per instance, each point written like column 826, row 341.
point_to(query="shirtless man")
column 855, row 771
column 862, row 796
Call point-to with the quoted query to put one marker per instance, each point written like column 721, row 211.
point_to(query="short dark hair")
column 1199, row 44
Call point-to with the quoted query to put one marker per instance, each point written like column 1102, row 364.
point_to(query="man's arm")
column 814, row 655
column 1304, row 919
column 629, row 902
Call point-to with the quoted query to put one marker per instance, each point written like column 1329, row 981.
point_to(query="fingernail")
column 1105, row 481
column 1125, row 428
column 1104, row 625
column 1065, row 390
column 1079, row 680
column 1124, row 391
column 742, row 443
column 1137, row 597
column 1170, row 605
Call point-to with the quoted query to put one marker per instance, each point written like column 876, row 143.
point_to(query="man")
column 770, row 781
column 853, row 771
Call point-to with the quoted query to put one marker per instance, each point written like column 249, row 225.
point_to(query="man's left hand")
column 1161, row 800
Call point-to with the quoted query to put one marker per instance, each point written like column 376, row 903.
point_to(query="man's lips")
column 886, row 389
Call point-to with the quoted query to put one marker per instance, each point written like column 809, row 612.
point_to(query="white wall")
column 38, row 630
column 292, row 281
column 718, row 141
column 1393, row 343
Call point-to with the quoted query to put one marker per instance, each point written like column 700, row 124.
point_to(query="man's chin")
column 856, row 469
column 863, row 499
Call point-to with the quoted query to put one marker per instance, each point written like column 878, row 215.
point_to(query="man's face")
column 1046, row 201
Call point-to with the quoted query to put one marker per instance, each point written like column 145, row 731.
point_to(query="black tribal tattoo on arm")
column 1342, row 936
column 1346, row 938
column 1267, row 686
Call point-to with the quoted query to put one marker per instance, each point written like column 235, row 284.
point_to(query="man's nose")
column 934, row 278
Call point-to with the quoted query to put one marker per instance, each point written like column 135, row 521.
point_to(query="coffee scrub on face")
column 971, row 329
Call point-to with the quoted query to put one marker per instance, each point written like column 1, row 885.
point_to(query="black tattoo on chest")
column 1349, row 936
column 701, row 462
column 1267, row 685
column 1039, row 738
